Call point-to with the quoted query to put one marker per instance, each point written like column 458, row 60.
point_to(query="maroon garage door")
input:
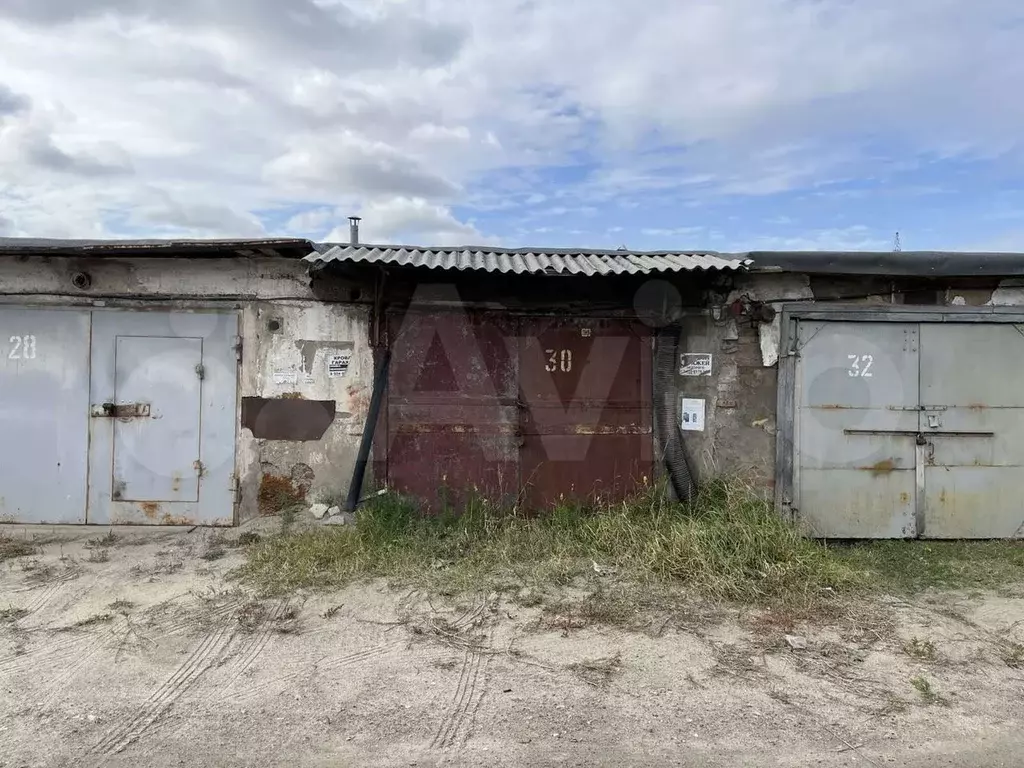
column 534, row 409
column 586, row 417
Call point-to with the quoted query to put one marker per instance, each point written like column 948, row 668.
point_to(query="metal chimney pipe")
column 353, row 230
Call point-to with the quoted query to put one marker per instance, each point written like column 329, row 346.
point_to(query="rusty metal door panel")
column 841, row 504
column 614, row 468
column 44, row 378
column 972, row 417
column 973, row 503
column 163, row 417
column 452, row 408
column 586, row 408
column 858, row 438
column 857, row 418
column 156, row 442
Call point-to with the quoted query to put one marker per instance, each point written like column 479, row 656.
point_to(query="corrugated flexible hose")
column 666, row 413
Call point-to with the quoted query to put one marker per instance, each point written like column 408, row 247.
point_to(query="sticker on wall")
column 691, row 415
column 337, row 364
column 695, row 364
column 286, row 377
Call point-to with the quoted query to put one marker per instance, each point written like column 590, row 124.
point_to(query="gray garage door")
column 910, row 429
column 117, row 416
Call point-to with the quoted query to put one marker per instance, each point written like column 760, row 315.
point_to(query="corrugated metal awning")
column 547, row 261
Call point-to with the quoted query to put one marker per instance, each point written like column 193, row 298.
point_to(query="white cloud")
column 672, row 232
column 199, row 116
column 431, row 132
column 854, row 238
column 313, row 222
column 161, row 212
column 332, row 165
column 410, row 221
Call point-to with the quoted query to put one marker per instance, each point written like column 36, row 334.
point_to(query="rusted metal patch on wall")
column 287, row 418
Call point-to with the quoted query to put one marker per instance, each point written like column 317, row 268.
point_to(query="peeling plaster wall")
column 288, row 348
column 1009, row 293
column 289, row 363
column 741, row 393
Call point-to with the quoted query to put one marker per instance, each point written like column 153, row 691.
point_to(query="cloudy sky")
column 657, row 124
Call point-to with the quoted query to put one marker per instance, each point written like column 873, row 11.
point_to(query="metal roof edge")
column 29, row 246
column 895, row 263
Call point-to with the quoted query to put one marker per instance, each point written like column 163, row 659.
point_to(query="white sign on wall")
column 286, row 377
column 695, row 364
column 691, row 414
column 337, row 364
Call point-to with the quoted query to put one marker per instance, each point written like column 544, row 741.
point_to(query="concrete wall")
column 288, row 340
column 740, row 395
column 290, row 364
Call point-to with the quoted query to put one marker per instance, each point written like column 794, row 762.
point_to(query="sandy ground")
column 142, row 653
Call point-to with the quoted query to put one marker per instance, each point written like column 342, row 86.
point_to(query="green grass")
column 728, row 545
column 928, row 694
column 911, row 566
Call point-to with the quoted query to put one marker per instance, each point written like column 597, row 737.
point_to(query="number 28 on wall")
column 558, row 360
column 22, row 348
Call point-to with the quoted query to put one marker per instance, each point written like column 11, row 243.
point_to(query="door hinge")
column 238, row 348
column 201, row 371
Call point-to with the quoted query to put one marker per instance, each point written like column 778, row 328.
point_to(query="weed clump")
column 727, row 544
column 11, row 548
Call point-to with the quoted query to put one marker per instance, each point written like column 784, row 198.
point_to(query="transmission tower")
column 896, row 247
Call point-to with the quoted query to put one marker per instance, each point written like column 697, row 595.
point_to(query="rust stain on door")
column 881, row 468
column 451, row 417
column 587, row 415
column 528, row 410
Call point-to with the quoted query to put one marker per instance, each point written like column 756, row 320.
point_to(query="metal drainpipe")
column 380, row 386
column 666, row 413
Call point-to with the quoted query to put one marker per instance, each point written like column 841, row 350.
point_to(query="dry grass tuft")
column 1013, row 655
column 213, row 553
column 598, row 672
column 922, row 650
column 250, row 616
column 12, row 614
column 11, row 548
column 98, row 618
column 109, row 539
